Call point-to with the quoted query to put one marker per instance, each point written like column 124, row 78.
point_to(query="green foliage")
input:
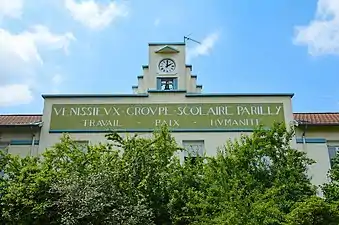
column 68, row 186
column 86, row 200
column 314, row 211
column 257, row 179
column 24, row 191
column 331, row 189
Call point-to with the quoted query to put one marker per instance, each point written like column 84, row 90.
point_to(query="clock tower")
column 167, row 70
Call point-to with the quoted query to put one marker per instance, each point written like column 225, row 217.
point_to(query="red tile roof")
column 19, row 119
column 309, row 118
column 331, row 118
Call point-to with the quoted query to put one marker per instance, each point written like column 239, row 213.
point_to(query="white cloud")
column 321, row 35
column 11, row 8
column 20, row 57
column 42, row 37
column 95, row 15
column 206, row 46
column 15, row 94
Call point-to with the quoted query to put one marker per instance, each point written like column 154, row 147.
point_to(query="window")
column 193, row 149
column 3, row 147
column 332, row 152
column 82, row 144
column 167, row 84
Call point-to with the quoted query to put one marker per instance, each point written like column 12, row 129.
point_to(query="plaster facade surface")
column 316, row 141
column 21, row 141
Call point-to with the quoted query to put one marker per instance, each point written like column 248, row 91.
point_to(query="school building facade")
column 168, row 93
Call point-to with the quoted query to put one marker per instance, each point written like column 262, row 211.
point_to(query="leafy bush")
column 257, row 179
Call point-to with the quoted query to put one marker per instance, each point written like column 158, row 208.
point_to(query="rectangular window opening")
column 3, row 148
column 82, row 144
column 332, row 152
column 193, row 149
column 167, row 83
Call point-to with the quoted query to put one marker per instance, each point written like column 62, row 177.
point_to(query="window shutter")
column 332, row 151
column 158, row 84
column 175, row 84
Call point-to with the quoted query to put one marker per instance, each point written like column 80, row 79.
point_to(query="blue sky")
column 70, row 46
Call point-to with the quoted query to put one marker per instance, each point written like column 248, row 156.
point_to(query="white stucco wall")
column 155, row 58
column 319, row 153
column 20, row 140
column 315, row 143
column 148, row 80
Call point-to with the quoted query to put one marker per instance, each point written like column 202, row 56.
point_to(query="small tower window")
column 167, row 84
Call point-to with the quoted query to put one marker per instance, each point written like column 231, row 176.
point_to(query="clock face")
column 167, row 66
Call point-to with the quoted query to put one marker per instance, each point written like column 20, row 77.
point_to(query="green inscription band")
column 84, row 117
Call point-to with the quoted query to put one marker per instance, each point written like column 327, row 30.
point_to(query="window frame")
column 200, row 152
column 4, row 144
column 160, row 80
column 81, row 144
column 333, row 150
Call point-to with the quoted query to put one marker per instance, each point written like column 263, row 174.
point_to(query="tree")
column 331, row 189
column 43, row 190
column 257, row 179
column 25, row 198
column 314, row 211
column 150, row 169
column 96, row 199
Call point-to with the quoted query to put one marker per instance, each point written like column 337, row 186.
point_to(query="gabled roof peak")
column 167, row 49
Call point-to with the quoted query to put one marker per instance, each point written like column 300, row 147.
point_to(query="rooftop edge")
column 92, row 95
column 158, row 91
column 163, row 43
